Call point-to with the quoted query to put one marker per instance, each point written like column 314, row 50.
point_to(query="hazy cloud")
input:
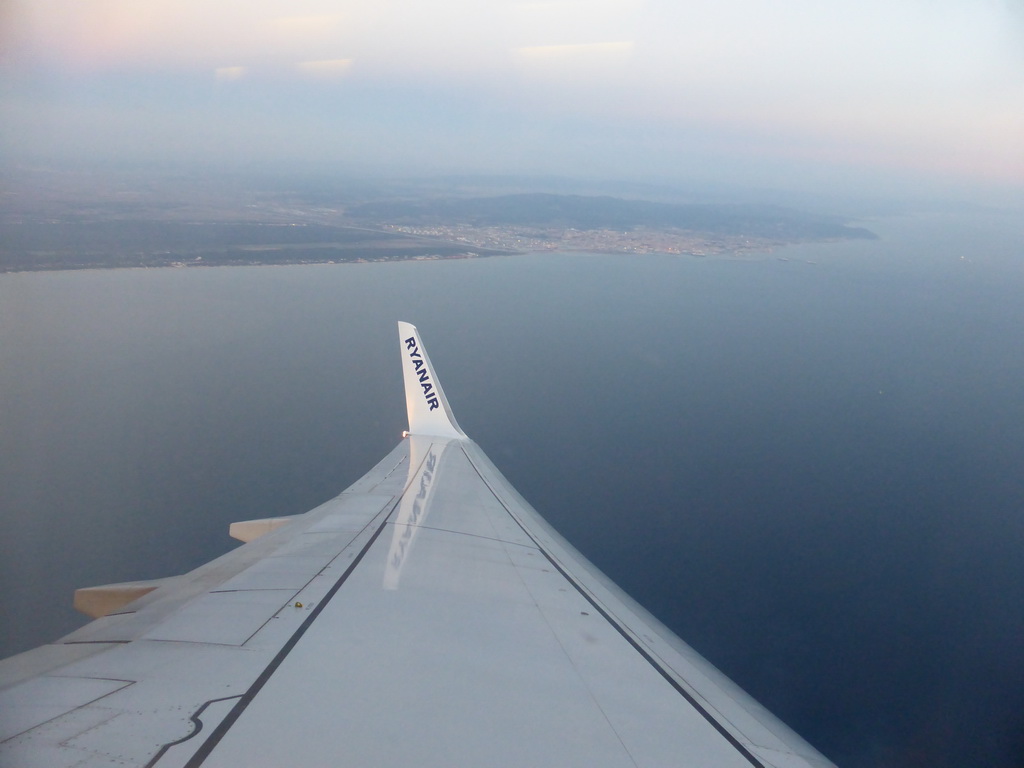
column 327, row 68
column 922, row 86
column 229, row 73
column 614, row 50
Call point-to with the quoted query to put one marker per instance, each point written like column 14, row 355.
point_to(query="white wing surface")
column 426, row 616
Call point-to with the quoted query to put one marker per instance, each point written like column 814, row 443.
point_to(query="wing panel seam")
column 197, row 722
column 207, row 747
column 646, row 655
column 221, row 730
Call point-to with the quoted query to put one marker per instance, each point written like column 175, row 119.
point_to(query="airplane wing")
column 426, row 616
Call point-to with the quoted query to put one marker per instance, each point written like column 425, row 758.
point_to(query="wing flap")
column 96, row 602
column 250, row 530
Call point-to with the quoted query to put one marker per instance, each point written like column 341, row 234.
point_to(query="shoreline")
column 751, row 255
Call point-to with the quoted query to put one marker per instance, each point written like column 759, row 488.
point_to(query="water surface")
column 806, row 464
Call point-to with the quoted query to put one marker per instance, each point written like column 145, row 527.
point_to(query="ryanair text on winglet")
column 429, row 391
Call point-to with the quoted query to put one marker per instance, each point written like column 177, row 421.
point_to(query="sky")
column 900, row 94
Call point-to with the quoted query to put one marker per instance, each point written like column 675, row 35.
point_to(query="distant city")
column 63, row 221
column 599, row 240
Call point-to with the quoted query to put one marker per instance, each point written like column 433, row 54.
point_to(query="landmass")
column 53, row 221
column 547, row 222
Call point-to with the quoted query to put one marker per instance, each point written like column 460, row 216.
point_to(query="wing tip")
column 425, row 401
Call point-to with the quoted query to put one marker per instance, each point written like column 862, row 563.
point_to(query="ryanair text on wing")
column 429, row 392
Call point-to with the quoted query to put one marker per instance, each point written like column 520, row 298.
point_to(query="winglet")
column 429, row 412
